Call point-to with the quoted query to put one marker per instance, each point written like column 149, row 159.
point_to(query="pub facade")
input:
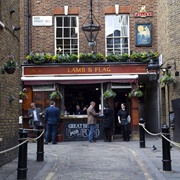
column 58, row 30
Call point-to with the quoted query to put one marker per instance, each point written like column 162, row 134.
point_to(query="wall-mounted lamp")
column 152, row 70
column 66, row 10
column 11, row 98
column 16, row 28
column 117, row 9
column 11, row 9
column 154, row 67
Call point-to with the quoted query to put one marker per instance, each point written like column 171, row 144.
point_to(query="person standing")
column 52, row 119
column 35, row 115
column 108, row 123
column 123, row 116
column 92, row 120
column 78, row 111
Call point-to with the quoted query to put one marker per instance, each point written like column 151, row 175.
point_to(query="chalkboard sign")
column 171, row 119
column 79, row 130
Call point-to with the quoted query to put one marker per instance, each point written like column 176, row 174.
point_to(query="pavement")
column 81, row 160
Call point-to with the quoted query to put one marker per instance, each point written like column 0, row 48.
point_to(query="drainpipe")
column 28, row 26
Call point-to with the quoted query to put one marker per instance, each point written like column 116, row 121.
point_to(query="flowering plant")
column 109, row 93
column 167, row 79
column 56, row 95
column 22, row 95
column 9, row 66
column 135, row 93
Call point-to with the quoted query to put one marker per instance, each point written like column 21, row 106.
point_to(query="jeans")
column 51, row 129
column 91, row 131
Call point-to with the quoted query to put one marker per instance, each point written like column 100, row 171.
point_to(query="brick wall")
column 9, row 83
column 42, row 38
column 169, row 46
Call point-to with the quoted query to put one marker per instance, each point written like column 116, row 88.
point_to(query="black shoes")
column 45, row 142
column 92, row 141
column 107, row 140
column 54, row 143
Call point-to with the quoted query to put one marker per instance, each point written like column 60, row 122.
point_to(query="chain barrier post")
column 40, row 143
column 166, row 149
column 22, row 157
column 141, row 134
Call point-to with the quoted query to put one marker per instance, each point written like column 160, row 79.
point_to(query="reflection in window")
column 117, row 34
column 67, row 34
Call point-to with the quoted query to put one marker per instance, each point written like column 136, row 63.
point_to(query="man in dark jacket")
column 52, row 119
column 35, row 115
column 108, row 123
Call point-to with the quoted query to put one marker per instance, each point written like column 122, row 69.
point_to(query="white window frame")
column 128, row 36
column 55, row 38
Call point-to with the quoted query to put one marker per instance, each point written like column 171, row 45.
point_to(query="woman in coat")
column 108, row 123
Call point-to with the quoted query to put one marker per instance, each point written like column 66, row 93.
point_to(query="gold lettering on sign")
column 76, row 70
column 102, row 69
column 89, row 69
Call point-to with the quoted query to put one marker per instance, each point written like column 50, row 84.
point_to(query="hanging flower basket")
column 10, row 66
column 22, row 95
column 167, row 79
column 56, row 95
column 135, row 93
column 109, row 94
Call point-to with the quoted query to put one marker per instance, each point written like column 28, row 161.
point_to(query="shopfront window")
column 66, row 34
column 117, row 34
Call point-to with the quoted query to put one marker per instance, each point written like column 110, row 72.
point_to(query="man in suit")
column 52, row 119
column 92, row 120
column 35, row 115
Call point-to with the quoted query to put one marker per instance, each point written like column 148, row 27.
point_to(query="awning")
column 124, row 78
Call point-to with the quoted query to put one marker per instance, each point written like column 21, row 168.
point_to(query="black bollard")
column 141, row 134
column 22, row 158
column 40, row 144
column 166, row 149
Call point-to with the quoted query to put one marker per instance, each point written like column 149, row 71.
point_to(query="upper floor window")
column 117, row 34
column 66, row 34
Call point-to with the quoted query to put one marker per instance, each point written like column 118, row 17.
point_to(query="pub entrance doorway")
column 121, row 97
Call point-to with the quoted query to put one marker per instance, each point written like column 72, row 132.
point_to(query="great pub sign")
column 143, row 13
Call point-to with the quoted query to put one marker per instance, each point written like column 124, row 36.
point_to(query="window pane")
column 74, row 43
column 59, row 32
column 66, row 21
column 73, row 22
column 109, row 42
column 73, row 32
column 59, row 43
column 66, row 43
column 66, row 32
column 117, row 42
column 59, row 21
column 124, row 42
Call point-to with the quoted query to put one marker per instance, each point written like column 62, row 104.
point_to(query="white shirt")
column 35, row 115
